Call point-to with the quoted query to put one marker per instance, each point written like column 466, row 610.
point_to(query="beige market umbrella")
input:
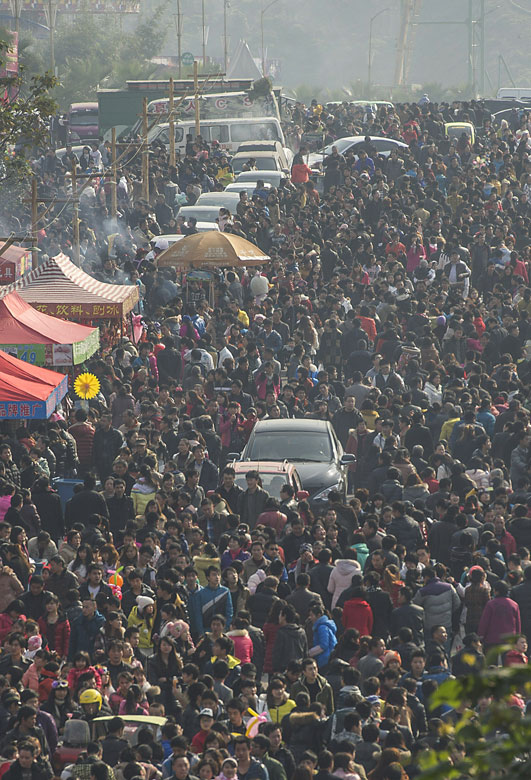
column 212, row 249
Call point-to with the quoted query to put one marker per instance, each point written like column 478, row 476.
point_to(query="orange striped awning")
column 61, row 289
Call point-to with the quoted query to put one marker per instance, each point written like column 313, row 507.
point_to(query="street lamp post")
column 369, row 64
column 225, row 47
column 203, row 32
column 266, row 8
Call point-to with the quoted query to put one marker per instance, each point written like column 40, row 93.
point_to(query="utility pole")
column 470, row 31
column 482, row 50
column 75, row 218
column 267, row 7
column 145, row 151
column 179, row 38
column 225, row 46
column 114, row 185
column 172, row 125
column 34, row 219
column 204, row 32
column 196, row 102
column 52, row 12
column 15, row 10
column 369, row 63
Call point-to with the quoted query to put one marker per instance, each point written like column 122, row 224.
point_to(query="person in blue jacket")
column 324, row 635
column 214, row 599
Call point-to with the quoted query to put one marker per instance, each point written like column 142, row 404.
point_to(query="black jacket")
column 520, row 528
column 409, row 616
column 112, row 747
column 407, row 531
column 50, row 511
column 319, row 576
column 439, row 540
column 522, row 595
column 342, row 423
column 38, row 772
column 84, row 504
column 260, row 603
column 382, row 607
column 290, row 645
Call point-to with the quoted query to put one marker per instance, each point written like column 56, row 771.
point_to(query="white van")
column 514, row 93
column 229, row 132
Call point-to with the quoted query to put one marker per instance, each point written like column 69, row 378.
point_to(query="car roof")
column 260, row 146
column 253, row 175
column 358, row 138
column 252, row 153
column 190, row 209
column 286, row 424
column 239, row 186
column 214, row 197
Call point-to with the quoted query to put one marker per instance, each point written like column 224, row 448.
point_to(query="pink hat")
column 392, row 655
column 35, row 642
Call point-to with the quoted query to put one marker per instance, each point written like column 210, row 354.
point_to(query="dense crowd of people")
column 282, row 638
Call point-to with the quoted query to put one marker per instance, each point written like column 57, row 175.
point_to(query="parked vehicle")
column 454, row 131
column 268, row 177
column 264, row 161
column 273, row 475
column 310, row 444
column 384, row 147
column 225, row 200
column 514, row 93
column 83, row 122
column 229, row 133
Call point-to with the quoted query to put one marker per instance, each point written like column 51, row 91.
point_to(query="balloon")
column 254, row 724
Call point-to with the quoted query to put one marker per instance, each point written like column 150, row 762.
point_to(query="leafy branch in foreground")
column 24, row 118
column 487, row 735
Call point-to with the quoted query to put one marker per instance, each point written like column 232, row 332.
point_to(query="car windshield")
column 84, row 118
column 342, row 145
column 290, row 445
column 270, row 482
column 262, row 163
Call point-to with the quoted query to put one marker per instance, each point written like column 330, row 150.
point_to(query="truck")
column 121, row 108
column 83, row 122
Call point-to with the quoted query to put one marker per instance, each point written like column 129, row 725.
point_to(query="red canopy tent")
column 61, row 289
column 28, row 391
column 40, row 339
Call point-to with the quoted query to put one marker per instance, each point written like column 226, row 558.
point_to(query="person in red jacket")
column 54, row 627
column 500, row 617
column 83, row 432
column 300, row 172
column 357, row 612
column 507, row 540
column 518, row 655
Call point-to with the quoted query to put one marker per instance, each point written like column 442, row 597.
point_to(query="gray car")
column 311, row 444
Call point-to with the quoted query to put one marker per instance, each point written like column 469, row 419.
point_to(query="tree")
column 27, row 107
column 491, row 744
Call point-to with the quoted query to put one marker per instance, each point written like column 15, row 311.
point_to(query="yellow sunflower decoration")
column 87, row 386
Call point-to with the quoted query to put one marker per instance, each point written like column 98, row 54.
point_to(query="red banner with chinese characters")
column 85, row 311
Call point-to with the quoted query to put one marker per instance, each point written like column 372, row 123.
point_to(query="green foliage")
column 93, row 51
column 488, row 746
column 24, row 119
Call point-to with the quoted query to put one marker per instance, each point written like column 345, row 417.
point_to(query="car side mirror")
column 302, row 495
column 347, row 458
column 233, row 456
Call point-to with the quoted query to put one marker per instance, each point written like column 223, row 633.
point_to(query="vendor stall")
column 212, row 249
column 61, row 289
column 43, row 340
column 28, row 392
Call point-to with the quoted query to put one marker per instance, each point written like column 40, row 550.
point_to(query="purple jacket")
column 500, row 617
